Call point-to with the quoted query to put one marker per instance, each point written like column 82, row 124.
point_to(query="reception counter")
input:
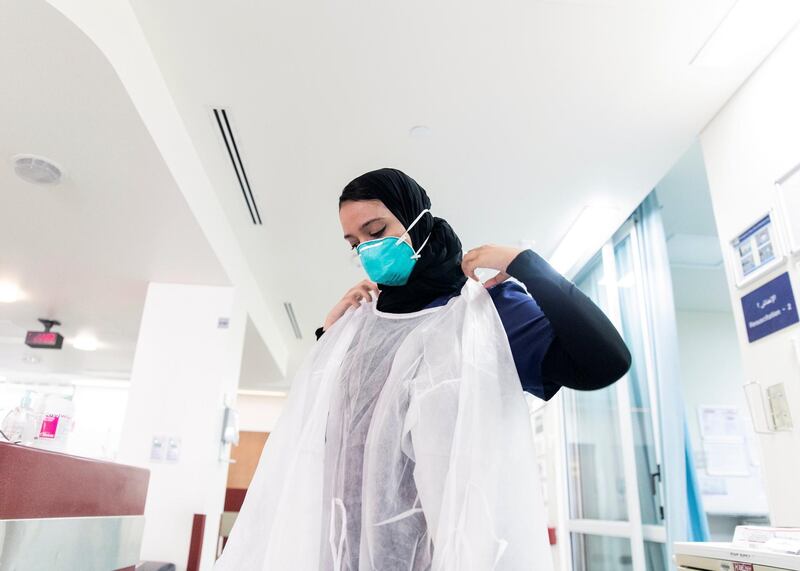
column 65, row 512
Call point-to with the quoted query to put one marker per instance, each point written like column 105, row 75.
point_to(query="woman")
column 405, row 443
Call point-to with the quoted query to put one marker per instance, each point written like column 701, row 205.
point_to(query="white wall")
column 712, row 375
column 753, row 141
column 99, row 415
column 711, row 369
column 184, row 369
column 259, row 413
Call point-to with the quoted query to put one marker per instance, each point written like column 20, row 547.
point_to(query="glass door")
column 615, row 514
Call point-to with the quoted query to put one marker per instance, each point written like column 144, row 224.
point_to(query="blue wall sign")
column 769, row 308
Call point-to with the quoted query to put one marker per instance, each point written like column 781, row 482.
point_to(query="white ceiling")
column 685, row 197
column 257, row 363
column 698, row 275
column 82, row 251
column 535, row 109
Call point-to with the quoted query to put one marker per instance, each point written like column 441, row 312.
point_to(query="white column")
column 186, row 365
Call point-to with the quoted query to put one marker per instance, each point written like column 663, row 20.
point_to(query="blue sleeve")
column 529, row 334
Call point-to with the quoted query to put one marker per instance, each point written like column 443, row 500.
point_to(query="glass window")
column 655, row 556
column 594, row 451
column 601, row 553
column 633, row 322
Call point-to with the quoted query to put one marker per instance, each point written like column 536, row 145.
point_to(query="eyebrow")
column 364, row 225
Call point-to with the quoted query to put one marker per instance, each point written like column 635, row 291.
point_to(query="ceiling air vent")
column 236, row 160
column 292, row 319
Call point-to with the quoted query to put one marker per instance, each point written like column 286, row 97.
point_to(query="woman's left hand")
column 492, row 257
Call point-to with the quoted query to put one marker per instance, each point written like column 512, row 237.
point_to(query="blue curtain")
column 698, row 522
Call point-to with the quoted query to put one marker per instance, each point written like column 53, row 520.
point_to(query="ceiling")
column 698, row 275
column 685, row 198
column 535, row 109
column 82, row 251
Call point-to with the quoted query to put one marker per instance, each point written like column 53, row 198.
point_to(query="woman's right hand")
column 362, row 291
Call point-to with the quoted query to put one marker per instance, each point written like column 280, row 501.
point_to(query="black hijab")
column 438, row 270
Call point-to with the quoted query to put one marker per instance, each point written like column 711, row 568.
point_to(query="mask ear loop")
column 416, row 255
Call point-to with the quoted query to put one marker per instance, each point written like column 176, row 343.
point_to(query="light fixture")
column 261, row 393
column 31, row 359
column 9, row 292
column 36, row 170
column 85, row 343
column 594, row 225
column 748, row 32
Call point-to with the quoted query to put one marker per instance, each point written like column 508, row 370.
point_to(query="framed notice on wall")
column 788, row 187
column 757, row 249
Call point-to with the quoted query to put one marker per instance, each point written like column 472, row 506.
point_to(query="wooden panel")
column 234, row 497
column 196, row 544
column 246, row 454
column 38, row 483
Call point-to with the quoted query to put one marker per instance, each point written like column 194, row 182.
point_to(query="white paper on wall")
column 721, row 422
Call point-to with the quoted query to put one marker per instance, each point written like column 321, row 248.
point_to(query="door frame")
column 633, row 529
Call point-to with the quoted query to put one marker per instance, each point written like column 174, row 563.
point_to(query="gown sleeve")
column 558, row 336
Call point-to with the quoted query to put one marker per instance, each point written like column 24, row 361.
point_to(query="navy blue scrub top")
column 529, row 334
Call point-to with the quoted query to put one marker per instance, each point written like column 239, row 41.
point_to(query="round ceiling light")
column 37, row 170
column 85, row 343
column 9, row 292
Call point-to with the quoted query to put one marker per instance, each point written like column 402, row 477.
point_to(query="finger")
column 469, row 269
column 498, row 279
column 367, row 286
column 366, row 292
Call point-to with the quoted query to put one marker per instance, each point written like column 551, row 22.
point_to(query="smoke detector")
column 37, row 170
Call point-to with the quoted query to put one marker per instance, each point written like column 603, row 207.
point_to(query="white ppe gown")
column 405, row 444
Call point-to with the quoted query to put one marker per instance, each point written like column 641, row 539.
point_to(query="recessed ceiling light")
column 420, row 132
column 31, row 359
column 36, row 170
column 85, row 343
column 9, row 293
column 594, row 225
